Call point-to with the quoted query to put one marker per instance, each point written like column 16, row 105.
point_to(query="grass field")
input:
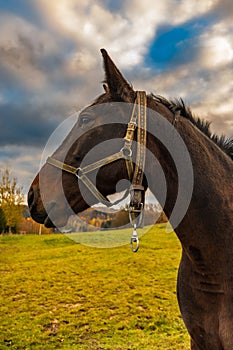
column 57, row 294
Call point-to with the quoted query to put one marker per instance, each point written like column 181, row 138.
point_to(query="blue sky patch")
column 174, row 46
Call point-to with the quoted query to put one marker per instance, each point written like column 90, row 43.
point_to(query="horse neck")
column 210, row 208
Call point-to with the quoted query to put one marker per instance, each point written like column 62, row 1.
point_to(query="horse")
column 62, row 186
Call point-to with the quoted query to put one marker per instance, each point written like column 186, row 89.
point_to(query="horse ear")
column 118, row 87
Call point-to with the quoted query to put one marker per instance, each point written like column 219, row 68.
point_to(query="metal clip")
column 132, row 211
column 134, row 241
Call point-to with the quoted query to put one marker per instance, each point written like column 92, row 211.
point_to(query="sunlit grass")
column 57, row 294
column 106, row 238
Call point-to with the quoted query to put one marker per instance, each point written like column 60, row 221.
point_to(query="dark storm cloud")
column 32, row 125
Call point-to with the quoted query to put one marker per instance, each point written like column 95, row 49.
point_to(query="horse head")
column 98, row 133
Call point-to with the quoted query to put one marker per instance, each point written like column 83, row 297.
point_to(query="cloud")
column 22, row 50
column 187, row 10
column 21, row 125
column 223, row 10
column 207, row 92
column 23, row 161
column 92, row 25
column 50, row 63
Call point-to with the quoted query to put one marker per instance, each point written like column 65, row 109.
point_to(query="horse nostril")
column 30, row 197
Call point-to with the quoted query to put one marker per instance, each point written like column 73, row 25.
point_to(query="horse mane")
column 178, row 105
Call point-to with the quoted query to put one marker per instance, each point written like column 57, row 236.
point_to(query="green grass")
column 57, row 294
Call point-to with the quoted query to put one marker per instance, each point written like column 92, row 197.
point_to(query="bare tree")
column 11, row 198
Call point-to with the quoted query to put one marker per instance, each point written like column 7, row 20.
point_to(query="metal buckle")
column 132, row 126
column 127, row 152
column 78, row 171
column 132, row 210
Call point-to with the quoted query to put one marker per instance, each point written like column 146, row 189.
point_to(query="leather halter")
column 135, row 173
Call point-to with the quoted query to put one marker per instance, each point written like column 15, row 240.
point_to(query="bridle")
column 135, row 172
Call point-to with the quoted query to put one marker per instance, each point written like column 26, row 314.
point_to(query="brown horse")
column 205, row 279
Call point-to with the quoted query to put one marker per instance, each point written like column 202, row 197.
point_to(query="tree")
column 2, row 221
column 11, row 198
column 121, row 219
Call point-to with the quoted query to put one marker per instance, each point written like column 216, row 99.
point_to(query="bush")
column 2, row 221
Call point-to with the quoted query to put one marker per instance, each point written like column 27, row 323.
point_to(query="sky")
column 51, row 67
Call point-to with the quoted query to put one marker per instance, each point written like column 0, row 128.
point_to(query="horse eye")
column 84, row 120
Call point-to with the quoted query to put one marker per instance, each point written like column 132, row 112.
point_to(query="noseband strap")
column 81, row 173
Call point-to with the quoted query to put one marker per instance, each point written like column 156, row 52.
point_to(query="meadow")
column 58, row 294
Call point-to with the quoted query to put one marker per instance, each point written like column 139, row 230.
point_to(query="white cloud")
column 217, row 46
column 208, row 93
column 22, row 46
column 80, row 62
column 186, row 10
column 127, row 33
column 91, row 26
